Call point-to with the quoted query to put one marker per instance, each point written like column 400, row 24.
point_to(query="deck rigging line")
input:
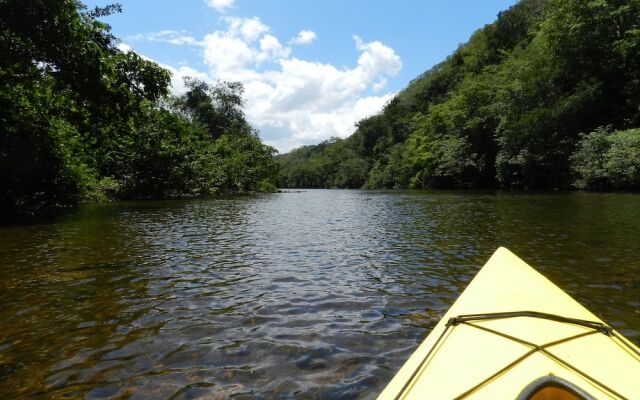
column 596, row 327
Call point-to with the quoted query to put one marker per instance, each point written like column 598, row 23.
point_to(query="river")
column 314, row 294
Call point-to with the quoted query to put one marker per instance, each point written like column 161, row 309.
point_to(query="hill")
column 547, row 96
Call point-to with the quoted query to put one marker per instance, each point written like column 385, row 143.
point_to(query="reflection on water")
column 293, row 295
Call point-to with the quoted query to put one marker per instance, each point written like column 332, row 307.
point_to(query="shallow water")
column 319, row 294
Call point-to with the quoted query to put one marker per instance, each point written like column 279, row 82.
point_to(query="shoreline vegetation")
column 546, row 97
column 82, row 120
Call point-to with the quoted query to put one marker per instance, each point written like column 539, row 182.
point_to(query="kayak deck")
column 509, row 328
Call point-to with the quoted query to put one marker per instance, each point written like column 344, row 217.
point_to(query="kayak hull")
column 525, row 331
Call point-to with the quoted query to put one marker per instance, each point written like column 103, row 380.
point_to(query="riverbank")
column 50, row 212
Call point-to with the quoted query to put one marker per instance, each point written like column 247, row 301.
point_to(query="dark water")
column 321, row 294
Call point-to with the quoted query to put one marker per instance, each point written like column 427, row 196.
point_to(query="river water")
column 316, row 294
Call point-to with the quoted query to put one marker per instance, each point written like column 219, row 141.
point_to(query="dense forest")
column 546, row 97
column 82, row 120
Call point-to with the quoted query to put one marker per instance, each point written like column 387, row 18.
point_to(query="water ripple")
column 321, row 294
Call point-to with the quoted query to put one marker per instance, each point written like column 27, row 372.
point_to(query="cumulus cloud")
column 380, row 84
column 235, row 53
column 298, row 128
column 292, row 101
column 302, row 102
column 304, row 37
column 376, row 58
column 220, row 5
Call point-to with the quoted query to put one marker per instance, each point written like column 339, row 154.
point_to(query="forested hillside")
column 82, row 120
column 547, row 96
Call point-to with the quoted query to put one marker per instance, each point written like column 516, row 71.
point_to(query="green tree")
column 82, row 120
column 219, row 108
column 507, row 107
column 608, row 160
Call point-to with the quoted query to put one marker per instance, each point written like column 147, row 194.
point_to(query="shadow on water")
column 320, row 294
column 67, row 288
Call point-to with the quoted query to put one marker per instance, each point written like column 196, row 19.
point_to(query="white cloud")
column 302, row 102
column 225, row 53
column 178, row 75
column 168, row 36
column 123, row 47
column 271, row 49
column 248, row 28
column 304, row 37
column 220, row 5
column 235, row 54
column 376, row 58
column 307, row 128
column 380, row 84
column 290, row 100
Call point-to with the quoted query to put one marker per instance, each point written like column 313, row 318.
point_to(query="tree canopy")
column 514, row 107
column 81, row 119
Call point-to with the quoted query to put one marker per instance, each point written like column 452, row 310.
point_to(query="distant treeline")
column 547, row 96
column 82, row 120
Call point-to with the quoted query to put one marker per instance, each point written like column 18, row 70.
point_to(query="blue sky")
column 311, row 69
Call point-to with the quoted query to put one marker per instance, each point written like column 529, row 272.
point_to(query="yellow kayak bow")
column 512, row 334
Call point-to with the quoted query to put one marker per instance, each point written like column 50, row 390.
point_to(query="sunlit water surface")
column 319, row 294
